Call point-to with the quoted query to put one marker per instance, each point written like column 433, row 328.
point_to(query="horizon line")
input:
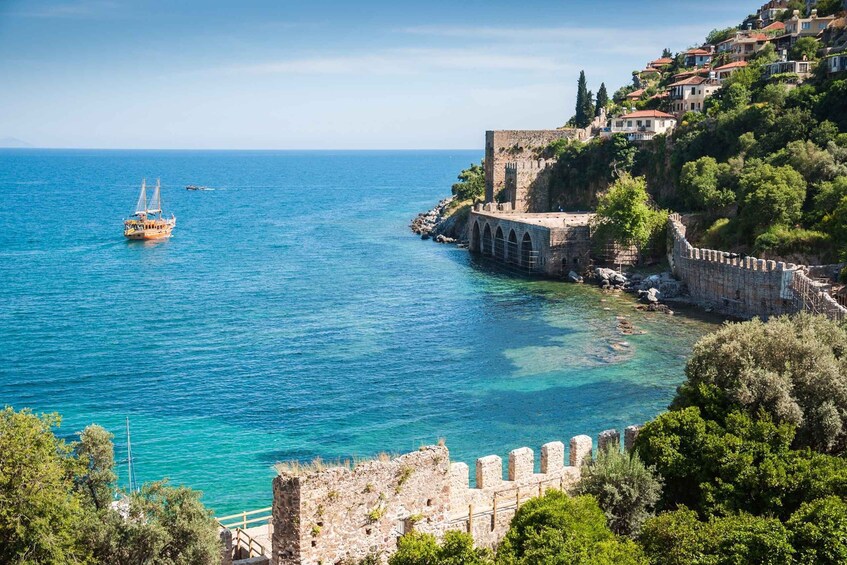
column 240, row 149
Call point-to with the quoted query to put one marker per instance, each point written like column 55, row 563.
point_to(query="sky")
column 320, row 74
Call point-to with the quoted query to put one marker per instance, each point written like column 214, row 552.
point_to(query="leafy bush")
column 793, row 369
column 819, row 532
column 557, row 529
column 782, row 241
column 624, row 487
column 423, row 549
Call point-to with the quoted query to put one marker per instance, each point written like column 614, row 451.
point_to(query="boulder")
column 574, row 277
column 650, row 296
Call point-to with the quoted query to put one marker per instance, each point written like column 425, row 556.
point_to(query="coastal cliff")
column 447, row 222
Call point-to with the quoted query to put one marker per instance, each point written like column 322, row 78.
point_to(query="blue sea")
column 294, row 315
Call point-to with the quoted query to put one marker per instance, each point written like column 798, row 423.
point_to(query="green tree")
column 702, row 184
column 625, row 488
column 581, row 119
column 674, row 538
column 717, row 35
column 423, row 549
column 96, row 454
column 819, row 532
column 624, row 214
column 772, row 195
column 589, row 107
column 40, row 511
column 602, row 99
column 471, row 185
column 666, row 53
column 829, row 7
column 791, row 368
column 805, row 49
column 556, row 529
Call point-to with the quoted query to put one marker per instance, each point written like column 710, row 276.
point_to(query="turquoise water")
column 294, row 315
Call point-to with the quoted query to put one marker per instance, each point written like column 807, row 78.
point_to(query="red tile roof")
column 648, row 114
column 635, row 93
column 735, row 65
column 689, row 81
column 776, row 26
column 661, row 62
column 697, row 52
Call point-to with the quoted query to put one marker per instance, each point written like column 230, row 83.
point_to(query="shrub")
column 819, row 531
column 782, row 241
column 423, row 549
column 558, row 529
column 792, row 368
column 679, row 538
column 700, row 182
column 624, row 487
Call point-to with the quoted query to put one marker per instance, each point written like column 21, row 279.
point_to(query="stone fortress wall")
column 337, row 515
column 745, row 287
column 551, row 244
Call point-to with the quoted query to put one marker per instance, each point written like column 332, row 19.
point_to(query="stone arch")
column 512, row 247
column 475, row 238
column 487, row 241
column 499, row 244
column 527, row 256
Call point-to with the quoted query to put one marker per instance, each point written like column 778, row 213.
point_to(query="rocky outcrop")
column 445, row 223
column 652, row 290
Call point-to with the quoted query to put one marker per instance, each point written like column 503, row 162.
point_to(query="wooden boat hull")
column 146, row 236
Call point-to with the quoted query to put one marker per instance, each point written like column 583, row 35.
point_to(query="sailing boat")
column 147, row 221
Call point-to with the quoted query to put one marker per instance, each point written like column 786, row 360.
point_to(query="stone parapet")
column 338, row 514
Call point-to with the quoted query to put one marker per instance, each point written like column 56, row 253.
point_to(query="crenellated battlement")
column 745, row 286
column 340, row 513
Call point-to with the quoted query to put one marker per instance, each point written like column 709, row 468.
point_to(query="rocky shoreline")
column 442, row 223
column 652, row 290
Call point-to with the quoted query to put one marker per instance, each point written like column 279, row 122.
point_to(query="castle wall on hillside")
column 745, row 287
column 339, row 515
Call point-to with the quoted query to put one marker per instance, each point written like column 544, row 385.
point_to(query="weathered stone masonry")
column 552, row 244
column 745, row 287
column 337, row 515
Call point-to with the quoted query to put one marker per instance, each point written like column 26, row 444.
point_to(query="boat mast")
column 131, row 475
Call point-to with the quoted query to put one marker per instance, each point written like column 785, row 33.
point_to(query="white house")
column 642, row 125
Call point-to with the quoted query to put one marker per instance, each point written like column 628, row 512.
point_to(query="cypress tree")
column 602, row 99
column 589, row 108
column 581, row 119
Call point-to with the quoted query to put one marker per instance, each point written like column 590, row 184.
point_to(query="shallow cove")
column 294, row 315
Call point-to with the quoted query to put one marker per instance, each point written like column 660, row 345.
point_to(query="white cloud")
column 408, row 61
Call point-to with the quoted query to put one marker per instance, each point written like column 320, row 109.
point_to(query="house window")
column 619, row 124
column 807, row 25
column 647, row 123
column 693, row 90
column 629, row 123
column 821, row 25
column 638, row 123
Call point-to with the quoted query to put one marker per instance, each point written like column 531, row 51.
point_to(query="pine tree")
column 602, row 99
column 581, row 119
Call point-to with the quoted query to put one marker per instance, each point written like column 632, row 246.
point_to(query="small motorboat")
column 195, row 187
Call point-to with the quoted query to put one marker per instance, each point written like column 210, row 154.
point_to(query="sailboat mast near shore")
column 147, row 221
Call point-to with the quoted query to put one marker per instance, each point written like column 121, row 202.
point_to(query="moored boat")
column 147, row 222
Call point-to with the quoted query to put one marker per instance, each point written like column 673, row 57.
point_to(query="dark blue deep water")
column 294, row 315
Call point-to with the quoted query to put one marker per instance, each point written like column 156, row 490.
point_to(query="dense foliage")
column 59, row 503
column 471, row 185
column 457, row 548
column 559, row 529
column 624, row 214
